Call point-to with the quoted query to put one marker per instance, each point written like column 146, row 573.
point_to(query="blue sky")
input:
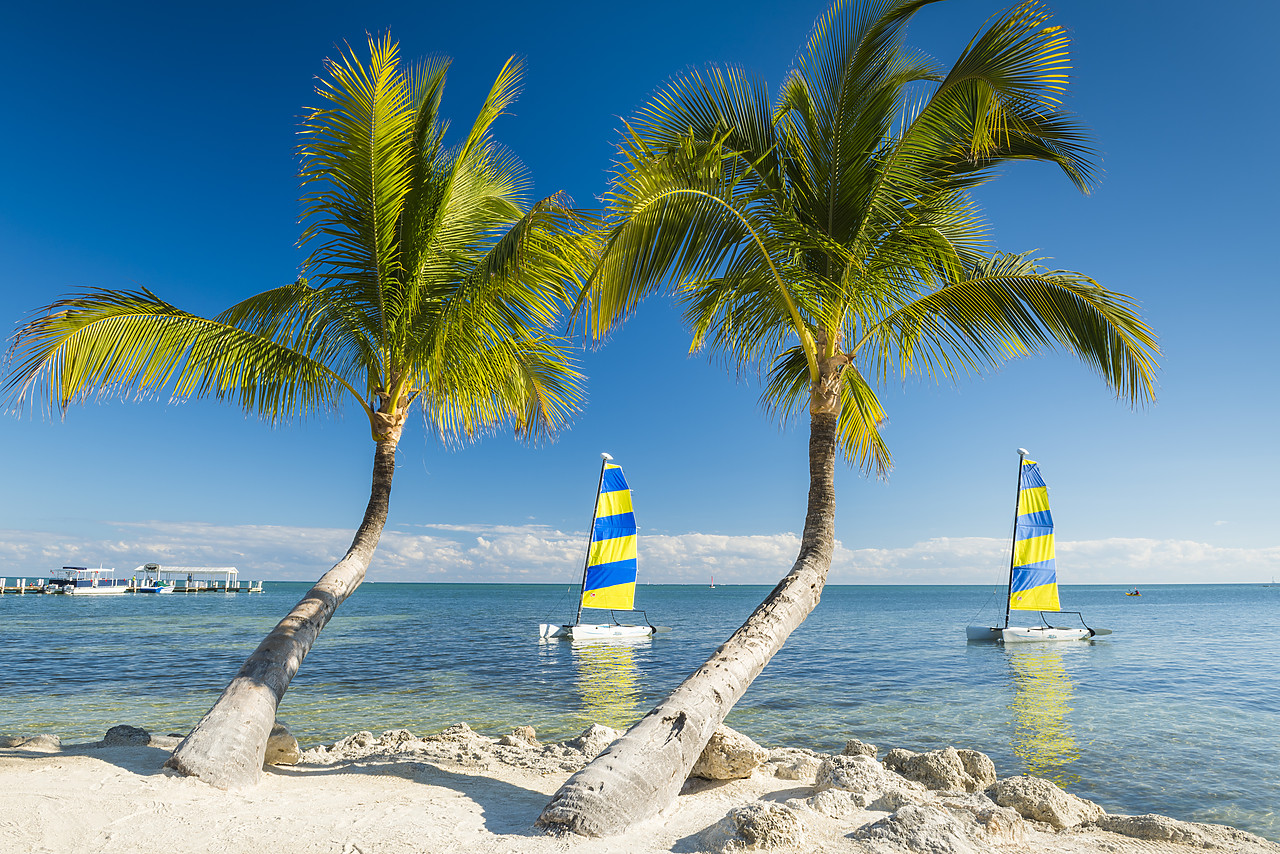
column 153, row 145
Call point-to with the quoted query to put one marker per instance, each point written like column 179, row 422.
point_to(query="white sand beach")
column 459, row 791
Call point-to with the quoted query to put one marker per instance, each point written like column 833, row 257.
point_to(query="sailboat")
column 1033, row 577
column 609, row 569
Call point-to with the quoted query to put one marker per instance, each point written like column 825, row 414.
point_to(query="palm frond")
column 357, row 170
column 861, row 420
column 133, row 343
column 1010, row 306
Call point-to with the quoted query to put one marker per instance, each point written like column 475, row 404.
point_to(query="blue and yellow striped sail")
column 1033, row 585
column 611, row 559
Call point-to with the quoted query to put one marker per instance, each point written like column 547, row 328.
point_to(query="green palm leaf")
column 837, row 224
column 132, row 342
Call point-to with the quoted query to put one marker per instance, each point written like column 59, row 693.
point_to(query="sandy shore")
column 459, row 791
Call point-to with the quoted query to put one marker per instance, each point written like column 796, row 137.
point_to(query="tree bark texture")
column 227, row 746
column 643, row 771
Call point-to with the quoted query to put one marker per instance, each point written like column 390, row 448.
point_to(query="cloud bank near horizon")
column 538, row 554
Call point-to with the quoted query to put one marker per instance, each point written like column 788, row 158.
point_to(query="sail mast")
column 586, row 558
column 1013, row 537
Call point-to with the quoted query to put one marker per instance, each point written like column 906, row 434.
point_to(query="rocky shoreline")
column 741, row 796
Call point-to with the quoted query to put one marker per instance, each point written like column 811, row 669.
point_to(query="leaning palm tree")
column 430, row 284
column 831, row 235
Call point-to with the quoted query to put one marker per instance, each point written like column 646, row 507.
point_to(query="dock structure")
column 21, row 585
column 153, row 578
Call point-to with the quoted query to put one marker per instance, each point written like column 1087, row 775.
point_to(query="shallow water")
column 1175, row 713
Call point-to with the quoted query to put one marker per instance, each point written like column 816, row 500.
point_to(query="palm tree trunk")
column 227, row 747
column 642, row 772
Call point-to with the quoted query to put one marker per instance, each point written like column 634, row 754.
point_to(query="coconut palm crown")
column 830, row 235
column 430, row 281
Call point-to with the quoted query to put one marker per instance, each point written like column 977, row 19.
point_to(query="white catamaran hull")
column 1027, row 634
column 585, row 631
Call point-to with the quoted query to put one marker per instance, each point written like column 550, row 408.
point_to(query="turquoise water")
column 1175, row 713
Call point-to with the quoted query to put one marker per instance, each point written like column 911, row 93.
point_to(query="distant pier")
column 21, row 585
column 156, row 579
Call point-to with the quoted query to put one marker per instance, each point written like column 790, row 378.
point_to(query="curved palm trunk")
column 642, row 772
column 227, row 747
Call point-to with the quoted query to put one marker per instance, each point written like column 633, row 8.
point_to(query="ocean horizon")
column 1174, row 713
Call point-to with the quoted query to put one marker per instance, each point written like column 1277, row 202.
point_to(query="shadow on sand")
column 506, row 808
column 140, row 759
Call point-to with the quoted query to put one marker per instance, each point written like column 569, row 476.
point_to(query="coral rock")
column 860, row 774
column 282, row 747
column 924, row 828
column 1041, row 800
column 793, row 763
column 521, row 736
column 853, row 747
column 594, row 740
column 947, row 770
column 837, row 803
column 729, row 755
column 993, row 824
column 1159, row 828
column 757, row 827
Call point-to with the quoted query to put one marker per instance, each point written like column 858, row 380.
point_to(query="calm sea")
column 1175, row 713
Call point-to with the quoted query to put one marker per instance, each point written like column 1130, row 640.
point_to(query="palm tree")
column 430, row 283
column 831, row 235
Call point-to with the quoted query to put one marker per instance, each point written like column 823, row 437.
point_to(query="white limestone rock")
column 895, row 799
column 756, row 827
column 994, row 825
column 1041, row 800
column 459, row 733
column 837, row 803
column 946, row 770
column 927, row 828
column 729, row 755
column 282, row 747
column 594, row 740
column 853, row 747
column 1159, row 828
column 396, row 738
column 521, row 736
column 360, row 740
column 860, row 774
column 794, row 763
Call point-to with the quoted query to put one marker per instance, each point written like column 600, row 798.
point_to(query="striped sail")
column 1033, row 585
column 611, row 559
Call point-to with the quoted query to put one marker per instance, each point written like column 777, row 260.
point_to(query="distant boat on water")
column 83, row 581
column 609, row 569
column 1033, row 575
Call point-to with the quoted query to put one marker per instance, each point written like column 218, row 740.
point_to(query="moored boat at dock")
column 83, row 581
column 154, row 578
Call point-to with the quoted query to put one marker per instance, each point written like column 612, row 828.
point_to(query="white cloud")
column 537, row 553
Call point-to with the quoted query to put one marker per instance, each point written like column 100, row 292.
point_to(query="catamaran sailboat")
column 609, row 570
column 1033, row 577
